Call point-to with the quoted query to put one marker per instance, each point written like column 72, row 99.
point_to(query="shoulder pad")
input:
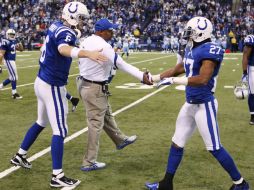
column 249, row 40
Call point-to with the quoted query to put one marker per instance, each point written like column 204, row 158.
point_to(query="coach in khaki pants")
column 92, row 86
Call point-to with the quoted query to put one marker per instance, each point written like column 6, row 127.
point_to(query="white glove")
column 165, row 81
column 244, row 78
column 173, row 80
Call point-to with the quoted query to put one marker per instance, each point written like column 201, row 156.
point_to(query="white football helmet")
column 241, row 90
column 10, row 34
column 198, row 29
column 74, row 12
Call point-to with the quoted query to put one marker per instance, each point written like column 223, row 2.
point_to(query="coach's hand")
column 147, row 78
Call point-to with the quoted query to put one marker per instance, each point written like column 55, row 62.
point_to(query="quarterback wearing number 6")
column 55, row 61
column 201, row 64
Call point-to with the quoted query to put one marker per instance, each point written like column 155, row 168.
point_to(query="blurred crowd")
column 153, row 24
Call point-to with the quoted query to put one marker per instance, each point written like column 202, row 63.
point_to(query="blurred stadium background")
column 153, row 120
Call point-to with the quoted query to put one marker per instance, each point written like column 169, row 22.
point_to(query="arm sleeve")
column 119, row 63
column 65, row 37
column 212, row 52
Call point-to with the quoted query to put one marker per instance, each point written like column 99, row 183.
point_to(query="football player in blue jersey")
column 8, row 49
column 248, row 72
column 201, row 64
column 55, row 61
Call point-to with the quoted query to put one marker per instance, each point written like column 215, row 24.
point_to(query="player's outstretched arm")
column 205, row 74
column 175, row 71
column 75, row 52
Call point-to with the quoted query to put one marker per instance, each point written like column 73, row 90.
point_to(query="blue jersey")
column 249, row 41
column 192, row 63
column 10, row 49
column 54, row 68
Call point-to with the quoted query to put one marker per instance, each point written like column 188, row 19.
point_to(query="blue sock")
column 251, row 102
column 68, row 96
column 31, row 136
column 6, row 82
column 227, row 163
column 13, row 85
column 57, row 147
column 174, row 159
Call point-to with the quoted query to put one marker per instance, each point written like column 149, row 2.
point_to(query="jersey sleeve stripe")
column 61, row 29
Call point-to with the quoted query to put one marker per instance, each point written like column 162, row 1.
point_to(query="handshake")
column 149, row 79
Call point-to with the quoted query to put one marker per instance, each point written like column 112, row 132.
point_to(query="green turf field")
column 153, row 120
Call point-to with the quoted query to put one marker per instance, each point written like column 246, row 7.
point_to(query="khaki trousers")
column 99, row 116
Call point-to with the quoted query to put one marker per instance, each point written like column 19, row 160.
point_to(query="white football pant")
column 12, row 70
column 203, row 116
column 251, row 79
column 52, row 106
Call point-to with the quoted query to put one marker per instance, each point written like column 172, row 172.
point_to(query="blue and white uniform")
column 249, row 41
column 9, row 46
column 52, row 78
column 201, row 107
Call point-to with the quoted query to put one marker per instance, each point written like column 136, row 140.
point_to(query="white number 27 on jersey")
column 214, row 49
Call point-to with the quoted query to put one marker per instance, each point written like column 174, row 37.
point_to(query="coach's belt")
column 95, row 82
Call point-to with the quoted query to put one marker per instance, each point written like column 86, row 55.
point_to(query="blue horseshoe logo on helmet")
column 202, row 28
column 69, row 8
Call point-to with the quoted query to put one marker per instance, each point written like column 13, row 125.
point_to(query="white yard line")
column 78, row 133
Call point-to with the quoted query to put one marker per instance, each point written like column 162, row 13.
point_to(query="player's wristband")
column 245, row 72
column 180, row 80
column 74, row 52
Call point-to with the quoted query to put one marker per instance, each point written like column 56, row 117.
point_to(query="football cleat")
column 152, row 186
column 16, row 96
column 20, row 160
column 243, row 186
column 61, row 180
column 74, row 102
column 126, row 142
column 93, row 166
column 251, row 120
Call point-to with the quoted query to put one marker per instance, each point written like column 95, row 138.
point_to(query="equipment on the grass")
column 241, row 90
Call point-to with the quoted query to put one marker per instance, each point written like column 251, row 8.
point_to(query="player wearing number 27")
column 55, row 62
column 201, row 64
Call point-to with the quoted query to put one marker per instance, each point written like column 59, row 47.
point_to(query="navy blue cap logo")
column 72, row 11
column 202, row 28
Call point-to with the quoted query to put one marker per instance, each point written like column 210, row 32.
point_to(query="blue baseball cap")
column 104, row 24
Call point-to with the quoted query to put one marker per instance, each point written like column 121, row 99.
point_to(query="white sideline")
column 41, row 153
